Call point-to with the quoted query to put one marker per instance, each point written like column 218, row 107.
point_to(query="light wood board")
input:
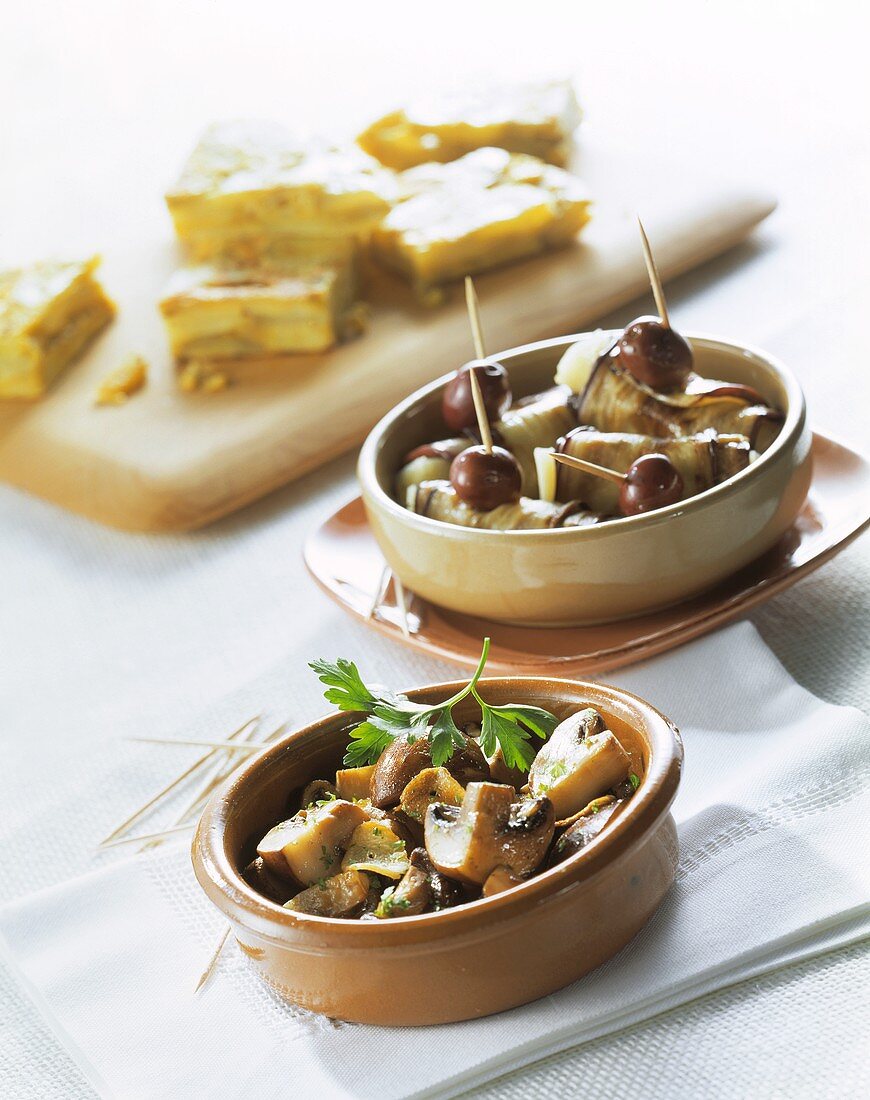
column 168, row 461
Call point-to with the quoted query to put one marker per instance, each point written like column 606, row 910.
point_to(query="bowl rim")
column 650, row 803
column 794, row 420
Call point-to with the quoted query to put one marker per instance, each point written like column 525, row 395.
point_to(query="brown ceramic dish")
column 602, row 573
column 458, row 963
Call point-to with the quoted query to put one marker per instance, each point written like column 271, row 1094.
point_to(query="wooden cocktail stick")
column 654, row 277
column 480, row 351
column 145, row 836
column 380, row 592
column 589, row 467
column 401, row 606
column 229, row 746
column 474, row 317
column 179, row 779
column 213, row 961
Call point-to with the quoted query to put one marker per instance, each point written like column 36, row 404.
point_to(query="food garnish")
column 389, row 716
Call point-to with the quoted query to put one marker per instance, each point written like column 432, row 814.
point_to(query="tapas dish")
column 424, row 833
column 591, row 478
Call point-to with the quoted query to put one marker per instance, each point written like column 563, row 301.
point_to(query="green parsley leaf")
column 511, row 738
column 367, row 742
column 635, row 782
column 346, row 688
column 539, row 721
column 444, row 736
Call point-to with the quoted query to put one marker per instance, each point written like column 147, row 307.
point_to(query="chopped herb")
column 321, row 883
column 326, row 858
column 389, row 716
column 327, row 798
column 558, row 770
column 376, row 831
column 389, row 903
column 634, row 781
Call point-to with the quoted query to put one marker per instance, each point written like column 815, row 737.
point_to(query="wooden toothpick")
column 479, row 350
column 654, row 277
column 145, row 837
column 228, row 746
column 213, row 961
column 589, row 467
column 474, row 317
column 179, row 779
column 380, row 592
column 401, row 606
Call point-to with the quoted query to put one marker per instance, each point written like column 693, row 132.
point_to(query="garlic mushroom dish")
column 428, row 812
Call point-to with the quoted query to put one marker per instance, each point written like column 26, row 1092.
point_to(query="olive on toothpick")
column 649, row 348
column 483, row 476
column 651, row 481
column 457, row 403
column 485, row 479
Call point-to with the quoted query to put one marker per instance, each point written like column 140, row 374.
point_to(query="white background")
column 103, row 633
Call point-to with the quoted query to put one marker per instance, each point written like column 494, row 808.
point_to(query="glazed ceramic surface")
column 347, row 563
column 596, row 574
column 478, row 958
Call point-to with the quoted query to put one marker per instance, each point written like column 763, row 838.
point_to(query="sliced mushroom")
column 579, row 834
column 372, row 899
column 354, row 783
column 590, row 808
column 266, row 882
column 488, row 830
column 499, row 880
column 308, row 847
column 318, row 790
column 501, row 773
column 428, row 786
column 374, row 847
column 445, row 892
column 411, row 896
column 338, row 896
column 581, row 760
column 402, row 759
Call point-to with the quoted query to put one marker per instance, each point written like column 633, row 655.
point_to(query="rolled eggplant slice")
column 702, row 461
column 431, row 462
column 438, row 500
column 614, row 401
column 535, row 422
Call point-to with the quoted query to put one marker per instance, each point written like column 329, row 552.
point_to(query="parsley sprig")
column 389, row 715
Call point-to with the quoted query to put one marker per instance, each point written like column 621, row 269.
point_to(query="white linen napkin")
column 772, row 869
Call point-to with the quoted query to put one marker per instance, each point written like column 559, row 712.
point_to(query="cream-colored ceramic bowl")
column 586, row 575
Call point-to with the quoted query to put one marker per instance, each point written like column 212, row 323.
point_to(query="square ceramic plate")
column 344, row 559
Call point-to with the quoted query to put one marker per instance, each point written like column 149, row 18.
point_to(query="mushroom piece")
column 582, row 759
column 354, row 783
column 308, row 847
column 499, row 880
column 374, row 847
column 413, row 895
column 266, row 882
column 338, row 896
column 579, row 834
column 428, row 786
column 487, row 831
column 501, row 773
column 403, row 758
column 318, row 790
column 445, row 892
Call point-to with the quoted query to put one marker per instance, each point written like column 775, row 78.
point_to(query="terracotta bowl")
column 478, row 958
column 583, row 575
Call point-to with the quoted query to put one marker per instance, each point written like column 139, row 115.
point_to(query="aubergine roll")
column 612, row 399
column 702, row 461
column 439, row 500
column 431, row 462
column 535, row 422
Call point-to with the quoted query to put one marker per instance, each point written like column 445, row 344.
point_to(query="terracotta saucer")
column 346, row 562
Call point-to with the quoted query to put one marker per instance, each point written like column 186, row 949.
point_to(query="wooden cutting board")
column 168, row 462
